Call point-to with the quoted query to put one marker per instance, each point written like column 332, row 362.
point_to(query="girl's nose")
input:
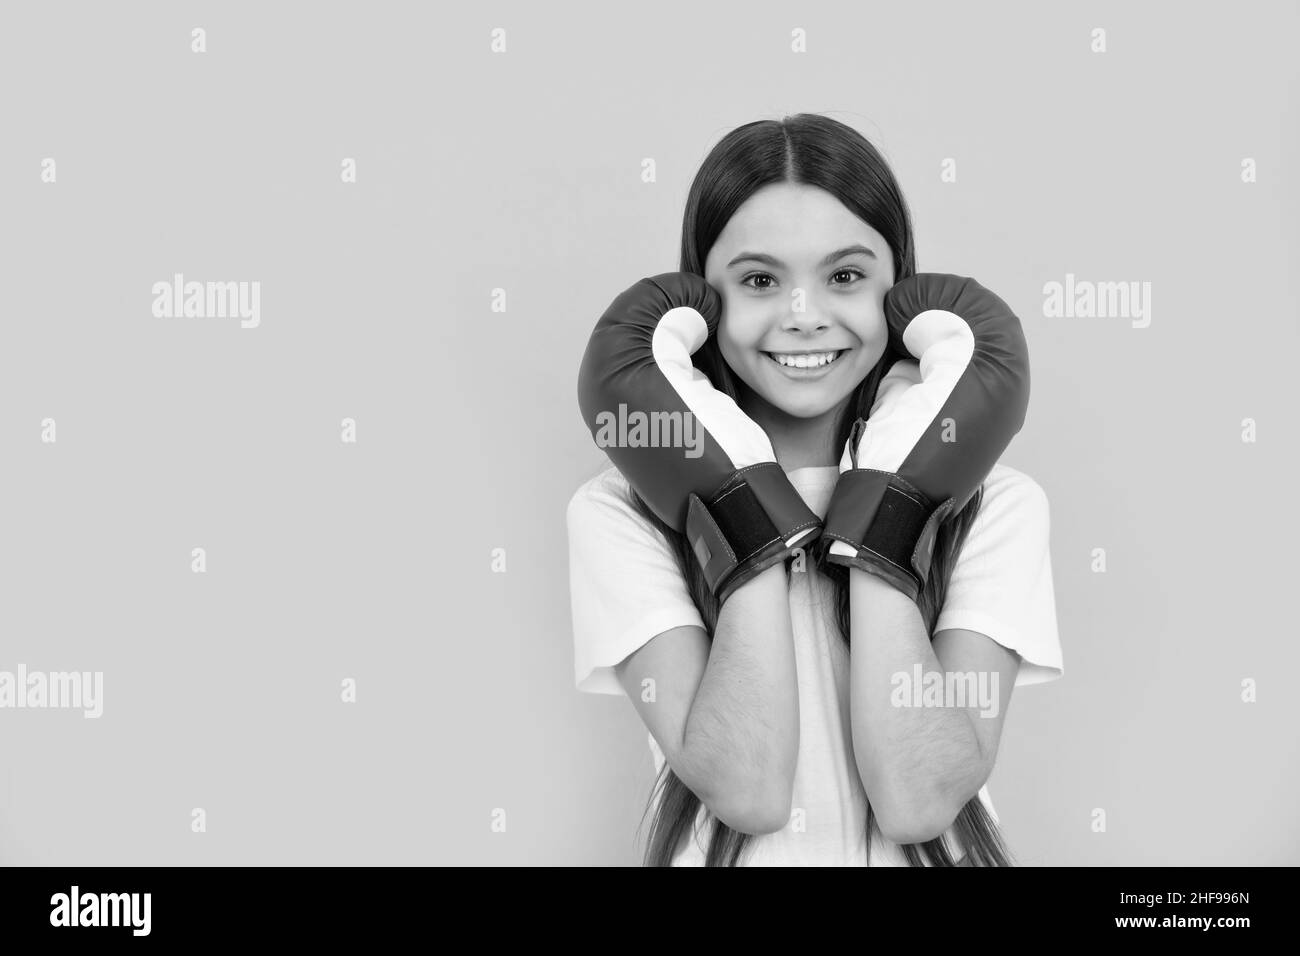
column 810, row 319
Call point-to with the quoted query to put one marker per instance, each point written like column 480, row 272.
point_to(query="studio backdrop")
column 296, row 297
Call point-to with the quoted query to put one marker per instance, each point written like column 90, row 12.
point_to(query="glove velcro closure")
column 755, row 520
column 889, row 523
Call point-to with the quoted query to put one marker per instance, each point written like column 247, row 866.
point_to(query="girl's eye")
column 756, row 275
column 849, row 270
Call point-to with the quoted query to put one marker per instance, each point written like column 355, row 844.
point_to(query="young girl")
column 774, row 744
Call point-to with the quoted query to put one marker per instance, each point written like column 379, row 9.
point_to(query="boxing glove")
column 729, row 496
column 949, row 413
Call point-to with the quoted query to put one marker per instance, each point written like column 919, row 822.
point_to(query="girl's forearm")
column 919, row 765
column 742, row 732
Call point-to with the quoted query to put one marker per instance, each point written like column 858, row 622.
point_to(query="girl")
column 773, row 744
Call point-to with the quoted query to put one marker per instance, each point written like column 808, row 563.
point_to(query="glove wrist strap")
column 890, row 525
column 755, row 520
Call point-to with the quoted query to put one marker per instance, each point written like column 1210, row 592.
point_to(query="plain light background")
column 521, row 171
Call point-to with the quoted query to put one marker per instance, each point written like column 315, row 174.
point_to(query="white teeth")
column 805, row 361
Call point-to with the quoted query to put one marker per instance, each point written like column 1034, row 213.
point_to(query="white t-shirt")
column 626, row 588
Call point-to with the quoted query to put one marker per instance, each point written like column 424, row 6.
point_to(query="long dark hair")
column 816, row 151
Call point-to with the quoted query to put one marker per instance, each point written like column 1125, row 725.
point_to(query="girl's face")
column 803, row 283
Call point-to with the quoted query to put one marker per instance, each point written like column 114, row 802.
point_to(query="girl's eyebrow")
column 765, row 259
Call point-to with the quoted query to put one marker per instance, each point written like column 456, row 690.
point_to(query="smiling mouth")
column 805, row 360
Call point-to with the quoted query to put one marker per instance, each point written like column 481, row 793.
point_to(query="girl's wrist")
column 878, row 592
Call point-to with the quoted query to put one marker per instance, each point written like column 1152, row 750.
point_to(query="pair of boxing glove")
column 939, row 422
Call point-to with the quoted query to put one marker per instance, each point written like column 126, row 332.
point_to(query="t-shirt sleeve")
column 1001, row 586
column 625, row 585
